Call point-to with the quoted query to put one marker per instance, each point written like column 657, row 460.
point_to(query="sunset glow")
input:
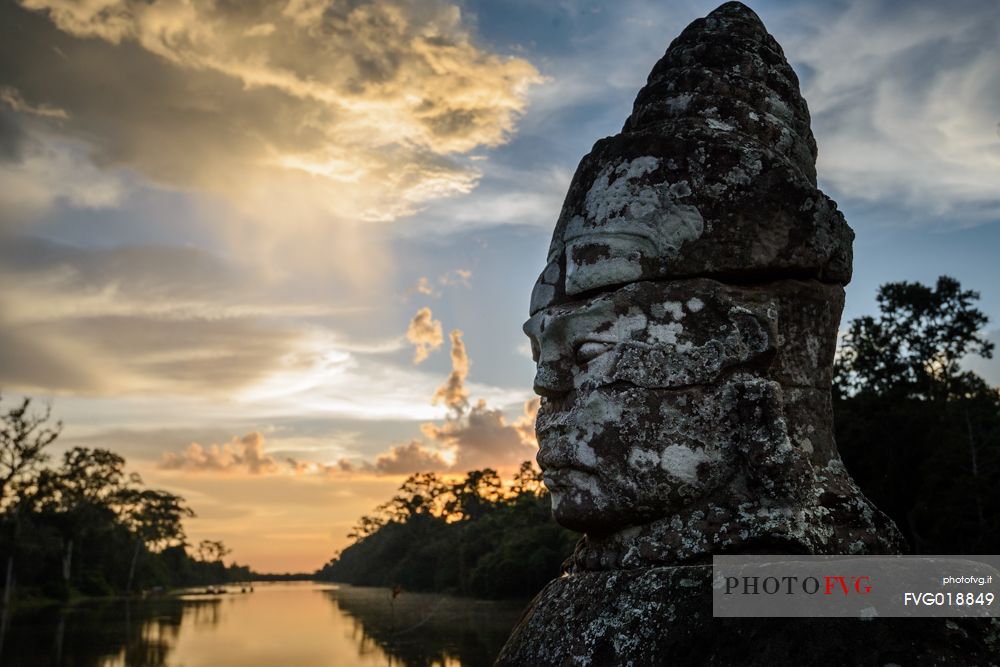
column 278, row 254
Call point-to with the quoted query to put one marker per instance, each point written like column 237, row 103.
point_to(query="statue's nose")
column 552, row 381
column 553, row 376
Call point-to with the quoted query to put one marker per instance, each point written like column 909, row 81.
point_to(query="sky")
column 277, row 253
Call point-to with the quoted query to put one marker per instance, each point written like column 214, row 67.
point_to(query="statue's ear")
column 760, row 435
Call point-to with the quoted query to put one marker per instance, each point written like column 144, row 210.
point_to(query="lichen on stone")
column 684, row 329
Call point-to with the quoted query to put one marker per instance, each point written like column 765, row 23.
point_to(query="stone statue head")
column 684, row 325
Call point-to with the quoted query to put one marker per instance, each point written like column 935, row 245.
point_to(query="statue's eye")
column 589, row 350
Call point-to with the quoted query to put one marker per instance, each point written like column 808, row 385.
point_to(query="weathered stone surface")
column 684, row 331
column 663, row 616
column 685, row 327
column 713, row 175
column 673, row 476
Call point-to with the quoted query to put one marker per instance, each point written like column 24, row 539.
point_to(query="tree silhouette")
column 920, row 434
column 24, row 435
column 88, row 525
column 915, row 345
column 472, row 536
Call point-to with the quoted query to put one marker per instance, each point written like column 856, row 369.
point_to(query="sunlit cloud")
column 38, row 172
column 11, row 98
column 425, row 334
column 459, row 277
column 423, row 286
column 483, row 437
column 370, row 101
column 453, row 392
column 244, row 454
column 411, row 457
column 467, row 437
column 293, row 127
column 141, row 319
column 426, row 287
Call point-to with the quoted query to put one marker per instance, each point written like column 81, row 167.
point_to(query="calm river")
column 301, row 624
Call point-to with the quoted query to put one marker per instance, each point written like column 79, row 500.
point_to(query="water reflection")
column 422, row 630
column 102, row 634
column 280, row 624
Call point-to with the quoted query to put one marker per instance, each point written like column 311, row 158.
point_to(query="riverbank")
column 35, row 598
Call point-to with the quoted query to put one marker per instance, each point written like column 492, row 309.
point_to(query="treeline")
column 921, row 434
column 474, row 536
column 86, row 526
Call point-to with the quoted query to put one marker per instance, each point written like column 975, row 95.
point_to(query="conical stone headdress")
column 713, row 175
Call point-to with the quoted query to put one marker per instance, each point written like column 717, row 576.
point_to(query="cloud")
column 484, row 437
column 244, row 454
column 453, row 392
column 425, row 334
column 457, row 277
column 480, row 438
column 299, row 467
column 39, row 171
column 470, row 437
column 12, row 99
column 424, row 286
column 135, row 319
column 369, row 103
column 904, row 104
column 408, row 458
column 155, row 321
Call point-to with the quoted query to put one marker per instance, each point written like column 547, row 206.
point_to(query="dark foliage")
column 86, row 527
column 471, row 537
column 919, row 434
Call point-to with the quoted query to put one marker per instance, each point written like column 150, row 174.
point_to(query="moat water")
column 300, row 623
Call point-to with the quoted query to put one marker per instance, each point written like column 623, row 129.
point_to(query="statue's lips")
column 561, row 478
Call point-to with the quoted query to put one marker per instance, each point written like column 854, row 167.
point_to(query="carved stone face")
column 640, row 388
column 685, row 323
